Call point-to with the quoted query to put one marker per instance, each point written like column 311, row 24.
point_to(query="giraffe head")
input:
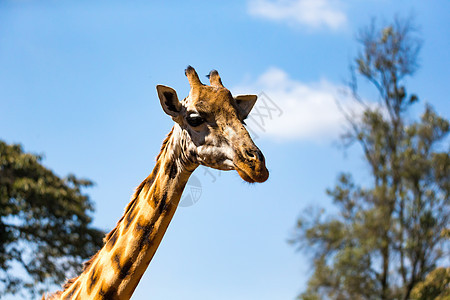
column 212, row 124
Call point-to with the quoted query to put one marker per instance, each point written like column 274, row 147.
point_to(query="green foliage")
column 435, row 286
column 388, row 235
column 44, row 223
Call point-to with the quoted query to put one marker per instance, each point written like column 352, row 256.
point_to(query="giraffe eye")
column 195, row 120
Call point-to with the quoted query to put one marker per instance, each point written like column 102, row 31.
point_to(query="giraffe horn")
column 214, row 78
column 192, row 77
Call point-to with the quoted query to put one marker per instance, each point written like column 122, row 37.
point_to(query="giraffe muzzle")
column 251, row 166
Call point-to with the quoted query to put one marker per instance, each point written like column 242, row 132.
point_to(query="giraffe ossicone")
column 209, row 130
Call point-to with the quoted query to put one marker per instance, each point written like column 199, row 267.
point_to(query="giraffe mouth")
column 252, row 176
column 245, row 176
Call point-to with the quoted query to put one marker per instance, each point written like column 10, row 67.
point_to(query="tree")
column 45, row 230
column 435, row 286
column 386, row 235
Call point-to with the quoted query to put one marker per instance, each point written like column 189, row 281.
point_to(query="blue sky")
column 77, row 84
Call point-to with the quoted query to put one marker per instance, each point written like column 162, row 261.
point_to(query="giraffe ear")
column 245, row 104
column 169, row 100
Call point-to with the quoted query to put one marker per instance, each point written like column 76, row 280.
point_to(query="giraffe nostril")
column 250, row 154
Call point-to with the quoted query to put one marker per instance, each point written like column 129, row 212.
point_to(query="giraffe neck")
column 115, row 271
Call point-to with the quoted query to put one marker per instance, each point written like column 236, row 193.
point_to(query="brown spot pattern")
column 112, row 241
column 93, row 279
column 124, row 269
column 172, row 170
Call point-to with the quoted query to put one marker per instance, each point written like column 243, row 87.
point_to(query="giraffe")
column 208, row 130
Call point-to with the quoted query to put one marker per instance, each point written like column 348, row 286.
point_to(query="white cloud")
column 288, row 109
column 309, row 13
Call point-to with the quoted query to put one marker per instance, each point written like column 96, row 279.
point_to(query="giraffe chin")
column 257, row 177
